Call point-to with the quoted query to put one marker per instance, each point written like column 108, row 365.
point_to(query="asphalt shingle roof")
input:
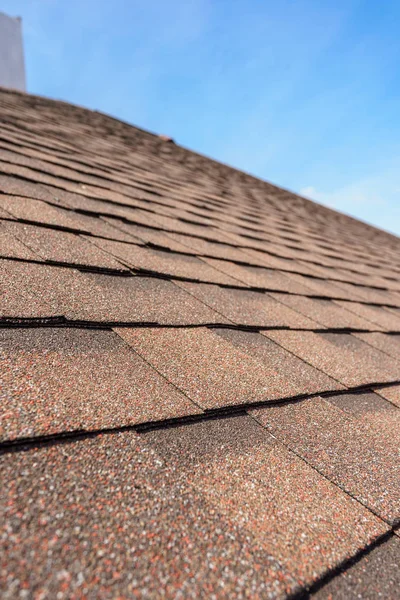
column 199, row 375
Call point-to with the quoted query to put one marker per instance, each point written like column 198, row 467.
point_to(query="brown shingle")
column 325, row 312
column 62, row 247
column 390, row 393
column 361, row 455
column 245, row 307
column 376, row 314
column 221, row 367
column 218, row 509
column 36, row 210
column 11, row 247
column 38, row 290
column 324, row 288
column 148, row 236
column 390, row 344
column 98, row 226
column 136, row 300
column 368, row 294
column 260, row 278
column 290, row 375
column 341, row 356
column 57, row 380
column 31, row 290
column 366, row 403
column 20, row 187
column 377, row 575
column 212, row 249
column 276, row 262
column 165, row 263
column 127, row 210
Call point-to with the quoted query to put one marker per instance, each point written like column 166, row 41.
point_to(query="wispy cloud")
column 375, row 199
column 350, row 197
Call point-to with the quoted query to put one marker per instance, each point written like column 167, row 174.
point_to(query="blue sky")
column 303, row 93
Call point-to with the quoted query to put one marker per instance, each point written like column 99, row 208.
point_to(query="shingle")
column 256, row 481
column 220, row 509
column 276, row 262
column 39, row 290
column 165, row 263
column 11, row 247
column 395, row 311
column 4, row 215
column 137, row 299
column 367, row 403
column 329, row 273
column 41, row 212
column 97, row 226
column 323, row 287
column 63, row 247
column 36, row 210
column 259, row 242
column 376, row 575
column 57, row 380
column 324, row 312
column 30, row 290
column 196, row 361
column 102, row 207
column 222, row 367
column 376, row 314
column 57, row 195
column 368, row 294
column 214, row 250
column 259, row 277
column 371, row 356
column 360, row 455
column 69, row 176
column 341, row 356
column 179, row 226
column 189, row 216
column 147, row 235
column 21, row 187
column 35, row 176
column 389, row 344
column 129, row 515
column 245, row 307
column 41, row 166
column 392, row 394
column 290, row 375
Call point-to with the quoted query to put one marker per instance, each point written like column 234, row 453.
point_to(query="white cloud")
column 349, row 197
column 375, row 199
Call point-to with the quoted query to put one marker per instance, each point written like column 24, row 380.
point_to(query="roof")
column 200, row 374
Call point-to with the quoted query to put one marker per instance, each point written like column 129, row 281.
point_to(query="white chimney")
column 12, row 68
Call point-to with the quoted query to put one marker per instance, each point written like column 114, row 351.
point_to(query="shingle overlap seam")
column 124, row 272
column 26, row 443
column 62, row 322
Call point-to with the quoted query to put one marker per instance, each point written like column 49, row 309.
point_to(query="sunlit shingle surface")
column 199, row 375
